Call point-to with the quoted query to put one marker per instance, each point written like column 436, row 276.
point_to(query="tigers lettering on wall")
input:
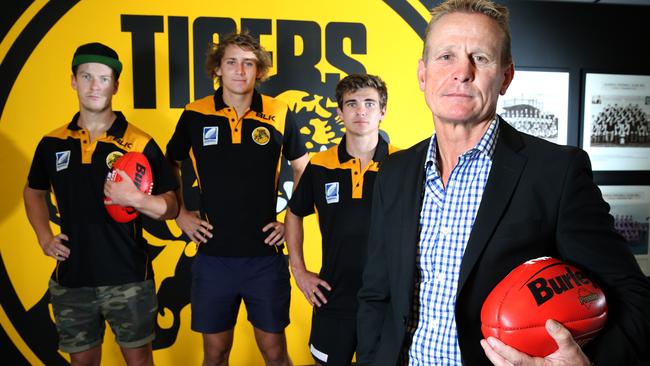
column 162, row 45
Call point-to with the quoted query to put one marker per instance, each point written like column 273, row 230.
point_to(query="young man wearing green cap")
column 103, row 271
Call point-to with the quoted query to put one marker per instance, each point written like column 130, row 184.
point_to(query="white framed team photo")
column 537, row 103
column 630, row 207
column 616, row 121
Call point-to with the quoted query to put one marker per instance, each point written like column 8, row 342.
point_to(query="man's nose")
column 464, row 70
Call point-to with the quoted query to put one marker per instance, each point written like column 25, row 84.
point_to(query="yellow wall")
column 40, row 98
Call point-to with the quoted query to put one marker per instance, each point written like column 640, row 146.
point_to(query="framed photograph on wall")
column 630, row 206
column 537, row 103
column 616, row 121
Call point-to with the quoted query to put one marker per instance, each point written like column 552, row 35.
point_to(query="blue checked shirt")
column 446, row 221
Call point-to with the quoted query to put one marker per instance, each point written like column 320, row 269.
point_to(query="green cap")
column 97, row 52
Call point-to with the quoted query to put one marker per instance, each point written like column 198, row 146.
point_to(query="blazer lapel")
column 506, row 170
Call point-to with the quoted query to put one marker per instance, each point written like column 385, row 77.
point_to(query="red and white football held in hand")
column 136, row 166
column 516, row 310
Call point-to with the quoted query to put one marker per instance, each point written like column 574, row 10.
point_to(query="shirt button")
column 355, row 173
column 445, row 230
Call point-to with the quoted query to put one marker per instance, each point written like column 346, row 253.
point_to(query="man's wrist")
column 45, row 241
column 298, row 269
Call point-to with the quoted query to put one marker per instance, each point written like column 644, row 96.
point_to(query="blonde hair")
column 498, row 13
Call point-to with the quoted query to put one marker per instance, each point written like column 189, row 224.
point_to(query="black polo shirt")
column 334, row 186
column 237, row 164
column 102, row 251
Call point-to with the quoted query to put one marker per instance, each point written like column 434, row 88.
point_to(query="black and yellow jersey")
column 336, row 187
column 102, row 251
column 237, row 164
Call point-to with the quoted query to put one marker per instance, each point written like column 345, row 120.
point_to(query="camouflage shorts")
column 80, row 314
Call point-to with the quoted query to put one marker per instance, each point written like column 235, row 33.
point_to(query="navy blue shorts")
column 220, row 283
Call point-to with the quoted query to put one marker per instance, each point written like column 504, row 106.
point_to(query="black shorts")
column 220, row 283
column 333, row 339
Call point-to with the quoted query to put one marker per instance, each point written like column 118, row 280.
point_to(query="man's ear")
column 422, row 71
column 508, row 74
column 261, row 75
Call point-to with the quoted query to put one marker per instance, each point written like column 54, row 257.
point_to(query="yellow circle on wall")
column 162, row 46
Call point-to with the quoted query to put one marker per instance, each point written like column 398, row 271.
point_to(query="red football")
column 516, row 310
column 137, row 167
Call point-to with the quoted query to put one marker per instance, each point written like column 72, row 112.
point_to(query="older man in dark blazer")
column 455, row 213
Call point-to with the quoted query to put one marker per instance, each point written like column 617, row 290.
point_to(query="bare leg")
column 141, row 356
column 216, row 348
column 273, row 347
column 89, row 357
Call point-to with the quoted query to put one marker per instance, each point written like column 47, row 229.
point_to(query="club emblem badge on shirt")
column 210, row 135
column 112, row 157
column 332, row 192
column 62, row 160
column 261, row 135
